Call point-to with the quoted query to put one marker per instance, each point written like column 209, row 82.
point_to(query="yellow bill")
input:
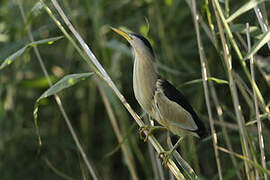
column 122, row 33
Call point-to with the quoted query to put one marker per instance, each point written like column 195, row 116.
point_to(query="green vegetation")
column 68, row 112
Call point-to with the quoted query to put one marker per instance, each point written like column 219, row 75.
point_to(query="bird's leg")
column 165, row 155
column 150, row 129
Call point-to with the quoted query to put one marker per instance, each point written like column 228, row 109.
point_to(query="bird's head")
column 140, row 44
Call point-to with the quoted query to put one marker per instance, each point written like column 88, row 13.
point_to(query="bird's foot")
column 150, row 130
column 165, row 155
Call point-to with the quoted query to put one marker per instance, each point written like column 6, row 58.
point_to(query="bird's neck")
column 144, row 81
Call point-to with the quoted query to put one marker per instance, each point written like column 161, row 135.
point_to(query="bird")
column 158, row 97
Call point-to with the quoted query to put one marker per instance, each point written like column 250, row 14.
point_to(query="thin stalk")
column 246, row 91
column 75, row 138
column 160, row 169
column 223, row 128
column 116, row 130
column 57, row 99
column 227, row 8
column 243, row 90
column 233, row 89
column 162, row 34
column 154, row 157
column 235, row 127
column 94, row 65
column 205, row 85
column 180, row 160
column 257, row 113
column 265, row 16
column 242, row 82
column 56, row 171
column 207, row 30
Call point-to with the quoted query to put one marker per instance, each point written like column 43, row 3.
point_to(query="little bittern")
column 159, row 98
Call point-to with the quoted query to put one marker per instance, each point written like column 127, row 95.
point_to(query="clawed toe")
column 150, row 130
column 165, row 156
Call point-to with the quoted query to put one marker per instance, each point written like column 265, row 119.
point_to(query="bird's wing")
column 175, row 108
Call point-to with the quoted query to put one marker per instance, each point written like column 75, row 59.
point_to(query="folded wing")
column 176, row 109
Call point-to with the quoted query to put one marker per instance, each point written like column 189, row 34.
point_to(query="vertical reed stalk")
column 235, row 99
column 257, row 113
column 116, row 129
column 205, row 86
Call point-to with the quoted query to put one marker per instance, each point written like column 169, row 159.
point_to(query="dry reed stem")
column 259, row 123
column 205, row 85
column 116, row 130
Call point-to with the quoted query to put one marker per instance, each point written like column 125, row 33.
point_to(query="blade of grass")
column 65, row 82
column 234, row 127
column 241, row 28
column 261, row 117
column 246, row 160
column 216, row 80
column 247, row 6
column 10, row 59
column 260, row 43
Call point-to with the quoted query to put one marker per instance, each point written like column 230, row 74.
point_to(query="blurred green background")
column 172, row 34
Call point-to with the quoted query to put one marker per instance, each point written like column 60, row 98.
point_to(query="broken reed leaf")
column 10, row 59
column 65, row 82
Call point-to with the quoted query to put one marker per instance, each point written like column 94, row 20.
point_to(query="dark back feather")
column 174, row 95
